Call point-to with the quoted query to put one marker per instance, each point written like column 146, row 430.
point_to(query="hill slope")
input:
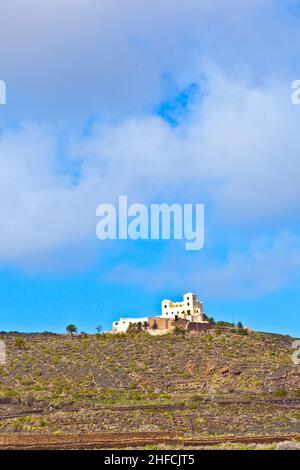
column 204, row 384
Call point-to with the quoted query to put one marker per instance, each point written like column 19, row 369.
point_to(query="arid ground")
column 155, row 391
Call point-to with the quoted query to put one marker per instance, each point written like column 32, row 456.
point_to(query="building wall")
column 195, row 327
column 159, row 323
column 181, row 323
column 121, row 325
column 158, row 332
column 166, row 324
column 189, row 308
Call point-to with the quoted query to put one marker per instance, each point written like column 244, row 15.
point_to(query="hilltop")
column 212, row 383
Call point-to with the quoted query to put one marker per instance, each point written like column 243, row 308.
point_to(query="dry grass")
column 197, row 385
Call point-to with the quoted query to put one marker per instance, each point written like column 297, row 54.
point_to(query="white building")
column 190, row 308
column 121, row 325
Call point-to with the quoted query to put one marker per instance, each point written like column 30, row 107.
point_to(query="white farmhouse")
column 190, row 308
column 121, row 325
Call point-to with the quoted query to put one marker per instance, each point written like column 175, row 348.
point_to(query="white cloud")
column 266, row 266
column 237, row 152
column 39, row 207
column 72, row 58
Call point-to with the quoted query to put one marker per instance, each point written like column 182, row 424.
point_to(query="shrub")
column 192, row 405
column 138, row 327
column 196, row 398
column 241, row 331
column 280, row 392
column 19, row 342
column 179, row 331
column 217, row 331
column 209, row 319
column 8, row 392
column 225, row 323
column 114, row 336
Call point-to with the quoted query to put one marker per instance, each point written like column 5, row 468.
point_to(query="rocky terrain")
column 214, row 384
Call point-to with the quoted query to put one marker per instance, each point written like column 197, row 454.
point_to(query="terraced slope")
column 198, row 385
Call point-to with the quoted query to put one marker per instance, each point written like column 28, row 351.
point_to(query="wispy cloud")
column 265, row 267
column 99, row 90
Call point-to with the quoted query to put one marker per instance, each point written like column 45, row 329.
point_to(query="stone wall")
column 179, row 324
column 166, row 324
column 194, row 327
column 159, row 323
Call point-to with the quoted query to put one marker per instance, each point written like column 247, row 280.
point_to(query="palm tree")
column 71, row 329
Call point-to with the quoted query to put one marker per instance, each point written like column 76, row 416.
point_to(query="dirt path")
column 123, row 440
column 293, row 403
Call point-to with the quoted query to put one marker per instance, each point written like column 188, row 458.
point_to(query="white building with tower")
column 190, row 308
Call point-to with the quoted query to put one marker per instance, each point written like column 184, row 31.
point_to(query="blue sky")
column 174, row 101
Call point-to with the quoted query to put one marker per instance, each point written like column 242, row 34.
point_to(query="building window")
column 188, row 303
column 165, row 306
column 188, row 312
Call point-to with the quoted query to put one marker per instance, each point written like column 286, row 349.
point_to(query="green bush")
column 241, row 331
column 196, row 398
column 139, row 327
column 178, row 330
column 225, row 323
column 280, row 392
column 19, row 342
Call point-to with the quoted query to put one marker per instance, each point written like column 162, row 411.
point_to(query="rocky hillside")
column 140, row 382
column 118, row 369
